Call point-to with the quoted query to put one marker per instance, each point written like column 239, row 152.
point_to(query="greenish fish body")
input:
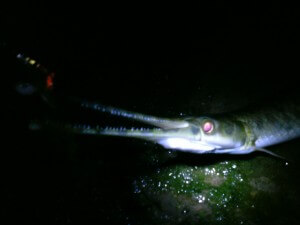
column 233, row 133
column 271, row 125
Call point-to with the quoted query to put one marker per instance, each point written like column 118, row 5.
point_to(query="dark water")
column 185, row 61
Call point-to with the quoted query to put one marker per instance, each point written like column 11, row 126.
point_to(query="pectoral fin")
column 269, row 152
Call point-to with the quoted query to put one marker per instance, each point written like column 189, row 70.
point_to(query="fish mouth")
column 177, row 134
column 185, row 145
column 170, row 133
column 154, row 134
column 159, row 122
column 175, row 138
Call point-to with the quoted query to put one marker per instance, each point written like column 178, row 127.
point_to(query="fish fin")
column 270, row 153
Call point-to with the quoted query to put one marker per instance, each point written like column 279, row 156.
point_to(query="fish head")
column 205, row 134
column 196, row 135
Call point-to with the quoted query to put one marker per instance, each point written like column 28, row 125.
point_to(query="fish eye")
column 208, row 127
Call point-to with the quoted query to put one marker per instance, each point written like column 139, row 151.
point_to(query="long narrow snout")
column 170, row 133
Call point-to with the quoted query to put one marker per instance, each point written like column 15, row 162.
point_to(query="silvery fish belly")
column 233, row 133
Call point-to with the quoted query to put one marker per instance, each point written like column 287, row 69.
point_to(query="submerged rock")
column 231, row 191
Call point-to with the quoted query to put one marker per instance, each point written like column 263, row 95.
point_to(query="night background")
column 164, row 60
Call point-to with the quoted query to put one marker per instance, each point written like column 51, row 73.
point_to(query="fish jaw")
column 163, row 123
column 185, row 145
column 182, row 139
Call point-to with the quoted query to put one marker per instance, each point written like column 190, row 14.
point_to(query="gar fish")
column 232, row 133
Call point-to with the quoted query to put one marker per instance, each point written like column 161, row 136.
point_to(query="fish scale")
column 273, row 125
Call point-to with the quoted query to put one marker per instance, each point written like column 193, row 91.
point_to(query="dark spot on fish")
column 171, row 130
column 195, row 130
column 229, row 130
column 287, row 126
column 260, row 123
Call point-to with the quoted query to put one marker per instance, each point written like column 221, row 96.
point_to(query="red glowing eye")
column 208, row 127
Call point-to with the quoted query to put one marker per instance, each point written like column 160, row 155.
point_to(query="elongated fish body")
column 232, row 133
column 272, row 125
